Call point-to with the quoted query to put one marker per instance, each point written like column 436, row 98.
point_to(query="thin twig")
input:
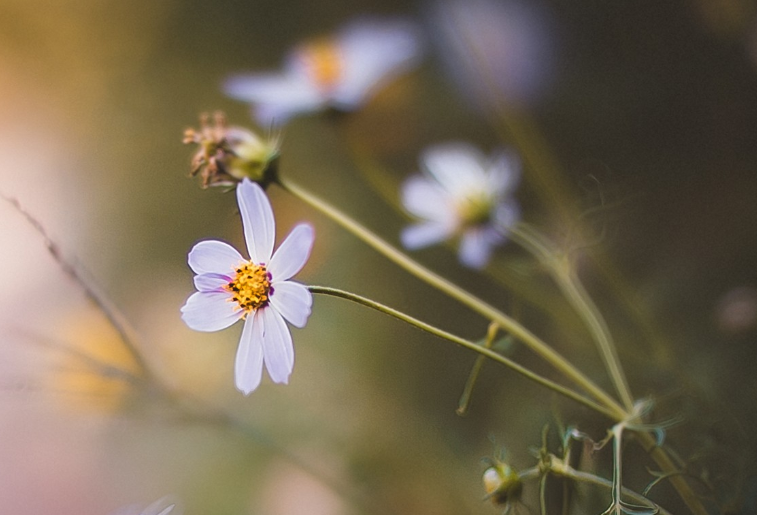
column 114, row 317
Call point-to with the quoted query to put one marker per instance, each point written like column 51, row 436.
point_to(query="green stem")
column 579, row 298
column 462, row 407
column 486, row 310
column 323, row 290
column 560, row 468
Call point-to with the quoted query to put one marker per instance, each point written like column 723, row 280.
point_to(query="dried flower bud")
column 226, row 155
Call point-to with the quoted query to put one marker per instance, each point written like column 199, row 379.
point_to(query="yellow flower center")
column 474, row 209
column 323, row 60
column 250, row 287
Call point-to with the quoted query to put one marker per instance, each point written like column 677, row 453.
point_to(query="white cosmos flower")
column 257, row 290
column 462, row 194
column 338, row 72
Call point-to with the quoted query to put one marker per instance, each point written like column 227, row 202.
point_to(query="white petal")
column 424, row 198
column 475, row 248
column 211, row 282
column 272, row 89
column 293, row 301
column 458, row 167
column 373, row 53
column 277, row 345
column 504, row 172
column 210, row 311
column 292, row 254
column 276, row 97
column 257, row 220
column 213, row 256
column 162, row 506
column 248, row 367
column 506, row 215
column 425, row 234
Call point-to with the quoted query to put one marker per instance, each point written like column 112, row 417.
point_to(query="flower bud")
column 502, row 483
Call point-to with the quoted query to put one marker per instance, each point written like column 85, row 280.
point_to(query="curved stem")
column 579, row 298
column 486, row 310
column 323, row 290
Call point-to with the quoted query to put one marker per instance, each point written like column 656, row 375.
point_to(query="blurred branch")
column 114, row 317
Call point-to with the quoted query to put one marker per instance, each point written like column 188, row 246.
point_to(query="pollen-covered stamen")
column 251, row 286
column 323, row 61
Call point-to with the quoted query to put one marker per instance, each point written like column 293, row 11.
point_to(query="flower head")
column 461, row 193
column 226, row 155
column 256, row 290
column 338, row 72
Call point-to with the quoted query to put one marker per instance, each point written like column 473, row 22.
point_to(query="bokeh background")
column 650, row 110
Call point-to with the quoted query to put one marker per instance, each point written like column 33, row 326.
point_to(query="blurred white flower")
column 339, row 72
column 462, row 193
column 257, row 290
column 497, row 50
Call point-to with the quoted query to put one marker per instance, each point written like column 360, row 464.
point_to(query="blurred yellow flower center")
column 323, row 60
column 474, row 209
column 250, row 286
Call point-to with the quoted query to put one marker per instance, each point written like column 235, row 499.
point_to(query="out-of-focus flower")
column 736, row 311
column 496, row 50
column 462, row 193
column 257, row 290
column 338, row 72
column 226, row 155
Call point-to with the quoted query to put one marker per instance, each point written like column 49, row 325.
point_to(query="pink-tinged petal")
column 213, row 256
column 475, row 248
column 210, row 311
column 424, row 198
column 293, row 253
column 248, row 368
column 456, row 166
column 293, row 301
column 277, row 345
column 211, row 282
column 257, row 220
column 425, row 234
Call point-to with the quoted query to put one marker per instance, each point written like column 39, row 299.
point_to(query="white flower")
column 337, row 72
column 257, row 290
column 461, row 194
